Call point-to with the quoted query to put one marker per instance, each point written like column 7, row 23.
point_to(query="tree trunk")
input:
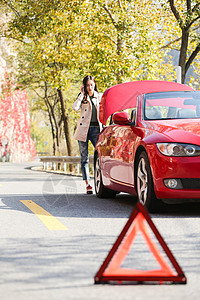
column 53, row 133
column 52, row 125
column 53, row 122
column 183, row 53
column 66, row 123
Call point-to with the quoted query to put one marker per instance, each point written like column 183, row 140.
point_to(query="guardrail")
column 69, row 164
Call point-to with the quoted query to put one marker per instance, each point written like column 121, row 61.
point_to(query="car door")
column 119, row 163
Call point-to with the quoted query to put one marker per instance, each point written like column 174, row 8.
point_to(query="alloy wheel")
column 142, row 181
column 97, row 175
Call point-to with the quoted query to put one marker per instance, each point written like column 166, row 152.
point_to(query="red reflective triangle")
column 111, row 269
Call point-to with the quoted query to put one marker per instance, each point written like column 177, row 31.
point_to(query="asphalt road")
column 54, row 238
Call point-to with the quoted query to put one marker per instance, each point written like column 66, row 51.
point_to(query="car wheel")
column 100, row 190
column 145, row 186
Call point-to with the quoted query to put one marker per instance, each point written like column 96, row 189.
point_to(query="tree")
column 187, row 15
column 45, row 97
column 114, row 40
column 46, row 30
column 124, row 41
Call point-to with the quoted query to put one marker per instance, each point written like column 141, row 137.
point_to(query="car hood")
column 181, row 131
column 123, row 96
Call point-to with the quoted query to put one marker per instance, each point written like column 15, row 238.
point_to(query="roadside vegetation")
column 58, row 42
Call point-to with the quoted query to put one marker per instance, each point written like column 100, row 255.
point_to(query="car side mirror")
column 121, row 118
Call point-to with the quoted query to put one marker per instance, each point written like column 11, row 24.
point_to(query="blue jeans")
column 92, row 135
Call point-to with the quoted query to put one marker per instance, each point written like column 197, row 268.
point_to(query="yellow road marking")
column 49, row 221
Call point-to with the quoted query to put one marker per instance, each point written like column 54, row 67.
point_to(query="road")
column 54, row 238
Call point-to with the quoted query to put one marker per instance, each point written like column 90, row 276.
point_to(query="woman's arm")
column 77, row 104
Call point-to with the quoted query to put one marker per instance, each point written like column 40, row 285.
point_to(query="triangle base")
column 141, row 279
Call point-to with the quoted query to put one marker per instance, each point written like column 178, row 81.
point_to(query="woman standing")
column 88, row 126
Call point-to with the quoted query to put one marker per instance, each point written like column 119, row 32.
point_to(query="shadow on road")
column 73, row 205
column 63, row 196
column 89, row 206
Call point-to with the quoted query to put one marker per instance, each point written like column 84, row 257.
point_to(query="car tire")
column 100, row 189
column 145, row 186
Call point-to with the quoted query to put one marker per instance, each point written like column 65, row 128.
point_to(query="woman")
column 88, row 126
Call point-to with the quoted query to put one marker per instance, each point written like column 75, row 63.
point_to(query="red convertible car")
column 151, row 148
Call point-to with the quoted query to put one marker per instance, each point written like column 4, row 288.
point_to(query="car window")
column 172, row 105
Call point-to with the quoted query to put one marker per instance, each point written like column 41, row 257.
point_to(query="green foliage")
column 60, row 41
column 184, row 17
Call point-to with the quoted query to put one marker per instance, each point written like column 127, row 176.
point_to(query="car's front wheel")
column 145, row 186
column 100, row 189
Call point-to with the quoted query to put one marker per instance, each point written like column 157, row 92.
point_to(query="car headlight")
column 176, row 149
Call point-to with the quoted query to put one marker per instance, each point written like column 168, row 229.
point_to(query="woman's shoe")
column 89, row 189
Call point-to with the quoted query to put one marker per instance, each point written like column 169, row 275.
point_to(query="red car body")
column 120, row 144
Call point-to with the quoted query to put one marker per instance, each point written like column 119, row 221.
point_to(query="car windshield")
column 172, row 105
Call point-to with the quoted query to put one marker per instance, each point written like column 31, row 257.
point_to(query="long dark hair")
column 85, row 80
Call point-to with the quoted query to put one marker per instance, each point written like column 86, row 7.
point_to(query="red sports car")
column 152, row 146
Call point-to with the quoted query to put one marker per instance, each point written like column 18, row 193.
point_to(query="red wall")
column 16, row 144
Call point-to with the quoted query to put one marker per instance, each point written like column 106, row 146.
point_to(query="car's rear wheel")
column 145, row 186
column 100, row 189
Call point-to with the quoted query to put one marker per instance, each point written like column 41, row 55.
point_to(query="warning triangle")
column 112, row 270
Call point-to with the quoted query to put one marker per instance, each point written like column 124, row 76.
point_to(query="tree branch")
column 192, row 57
column 175, row 12
column 12, row 8
column 193, row 21
column 37, row 93
column 110, row 15
column 120, row 4
column 170, row 43
column 11, row 37
column 176, row 40
column 188, row 4
column 110, row 38
column 195, row 7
